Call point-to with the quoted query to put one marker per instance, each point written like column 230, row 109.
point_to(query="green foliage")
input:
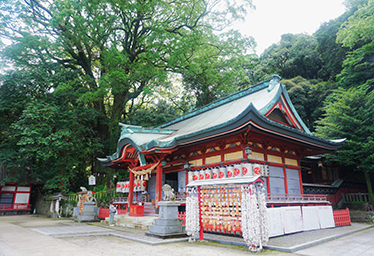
column 331, row 53
column 317, row 96
column 350, row 114
column 209, row 79
column 299, row 88
column 293, row 56
column 120, row 48
column 53, row 142
column 77, row 68
column 308, row 98
column 358, row 67
column 151, row 115
column 358, row 34
column 359, row 27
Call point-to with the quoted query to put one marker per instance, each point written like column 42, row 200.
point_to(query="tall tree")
column 350, row 114
column 51, row 139
column 214, row 72
column 113, row 51
column 358, row 34
column 294, row 55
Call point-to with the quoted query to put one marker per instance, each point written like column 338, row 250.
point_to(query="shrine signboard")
column 91, row 180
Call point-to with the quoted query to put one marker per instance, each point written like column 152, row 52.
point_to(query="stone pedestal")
column 167, row 225
column 88, row 213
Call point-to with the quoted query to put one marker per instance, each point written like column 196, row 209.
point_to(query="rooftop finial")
column 273, row 82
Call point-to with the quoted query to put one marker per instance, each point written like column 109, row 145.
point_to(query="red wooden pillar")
column 300, row 177
column 158, row 183
column 285, row 180
column 267, row 178
column 131, row 189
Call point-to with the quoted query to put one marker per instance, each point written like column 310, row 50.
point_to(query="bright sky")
column 273, row 18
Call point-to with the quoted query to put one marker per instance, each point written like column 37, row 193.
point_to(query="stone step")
column 135, row 222
column 149, row 209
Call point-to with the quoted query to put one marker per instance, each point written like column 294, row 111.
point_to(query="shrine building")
column 254, row 133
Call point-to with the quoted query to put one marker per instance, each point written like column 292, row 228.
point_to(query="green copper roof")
column 244, row 108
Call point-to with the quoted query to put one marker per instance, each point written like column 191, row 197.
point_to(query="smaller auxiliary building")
column 251, row 136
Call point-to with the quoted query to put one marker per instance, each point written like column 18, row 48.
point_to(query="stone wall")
column 361, row 216
column 43, row 207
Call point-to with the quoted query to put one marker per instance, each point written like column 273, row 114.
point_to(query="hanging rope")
column 192, row 214
column 254, row 217
column 144, row 172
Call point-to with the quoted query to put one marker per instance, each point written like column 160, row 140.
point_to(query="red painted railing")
column 182, row 216
column 6, row 207
column 15, row 207
column 104, row 212
column 342, row 217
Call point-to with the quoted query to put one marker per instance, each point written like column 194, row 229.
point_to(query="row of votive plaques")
column 124, row 186
column 223, row 172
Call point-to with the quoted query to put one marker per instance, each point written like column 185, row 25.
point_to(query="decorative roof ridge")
column 224, row 100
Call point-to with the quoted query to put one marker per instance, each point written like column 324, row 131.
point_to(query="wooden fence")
column 342, row 217
column 104, row 212
column 182, row 216
column 355, row 197
column 97, row 195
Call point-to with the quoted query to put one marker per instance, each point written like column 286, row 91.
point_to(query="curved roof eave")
column 250, row 117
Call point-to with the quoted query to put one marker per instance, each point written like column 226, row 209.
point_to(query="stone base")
column 167, row 229
column 88, row 213
column 168, row 225
column 167, row 236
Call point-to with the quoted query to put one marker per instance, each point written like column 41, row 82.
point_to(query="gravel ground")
column 105, row 240
column 118, row 246
column 286, row 241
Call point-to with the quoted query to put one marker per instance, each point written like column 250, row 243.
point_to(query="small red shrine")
column 257, row 128
column 15, row 199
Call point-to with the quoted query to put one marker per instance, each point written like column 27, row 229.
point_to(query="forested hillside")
column 71, row 70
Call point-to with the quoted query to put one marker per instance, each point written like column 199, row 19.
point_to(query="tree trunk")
column 370, row 189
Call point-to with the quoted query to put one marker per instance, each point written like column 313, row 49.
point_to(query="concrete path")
column 18, row 241
column 76, row 230
column 360, row 243
column 31, row 235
